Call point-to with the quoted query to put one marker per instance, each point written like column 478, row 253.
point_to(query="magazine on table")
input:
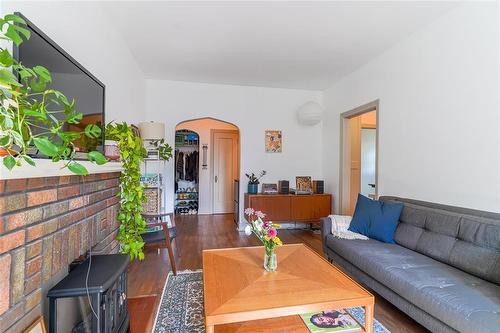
column 339, row 321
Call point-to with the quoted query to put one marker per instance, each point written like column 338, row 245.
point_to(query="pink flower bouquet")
column 267, row 233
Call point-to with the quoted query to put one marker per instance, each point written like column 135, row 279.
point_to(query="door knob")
column 216, row 179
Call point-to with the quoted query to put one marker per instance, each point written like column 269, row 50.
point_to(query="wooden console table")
column 291, row 207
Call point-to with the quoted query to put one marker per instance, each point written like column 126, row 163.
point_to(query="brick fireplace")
column 46, row 223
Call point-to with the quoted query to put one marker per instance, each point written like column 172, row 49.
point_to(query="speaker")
column 318, row 186
column 284, row 187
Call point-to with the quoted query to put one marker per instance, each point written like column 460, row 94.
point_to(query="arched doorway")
column 218, row 165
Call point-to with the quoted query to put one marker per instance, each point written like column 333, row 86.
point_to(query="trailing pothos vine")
column 132, row 224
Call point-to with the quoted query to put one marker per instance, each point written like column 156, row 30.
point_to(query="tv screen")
column 70, row 78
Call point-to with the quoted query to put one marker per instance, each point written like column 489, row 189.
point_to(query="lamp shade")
column 311, row 113
column 151, row 130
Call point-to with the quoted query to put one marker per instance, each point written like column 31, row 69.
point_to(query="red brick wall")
column 46, row 223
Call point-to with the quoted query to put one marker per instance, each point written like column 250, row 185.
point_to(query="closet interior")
column 186, row 172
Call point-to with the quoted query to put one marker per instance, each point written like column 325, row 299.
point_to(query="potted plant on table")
column 253, row 181
column 164, row 149
column 267, row 233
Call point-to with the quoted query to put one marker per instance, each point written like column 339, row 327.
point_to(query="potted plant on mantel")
column 28, row 110
column 253, row 181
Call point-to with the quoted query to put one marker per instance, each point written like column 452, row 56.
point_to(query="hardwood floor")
column 196, row 233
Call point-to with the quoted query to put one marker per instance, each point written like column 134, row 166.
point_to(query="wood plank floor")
column 196, row 233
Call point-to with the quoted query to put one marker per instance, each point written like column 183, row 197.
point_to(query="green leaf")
column 25, row 32
column 14, row 18
column 13, row 35
column 29, row 160
column 45, row 146
column 43, row 73
column 8, row 79
column 97, row 157
column 92, row 131
column 9, row 162
column 69, row 136
column 34, row 113
column 25, row 73
column 75, row 118
column 5, row 141
column 5, row 58
column 18, row 138
column 77, row 169
column 37, row 86
column 7, row 124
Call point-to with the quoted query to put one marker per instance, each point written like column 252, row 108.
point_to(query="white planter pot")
column 111, row 150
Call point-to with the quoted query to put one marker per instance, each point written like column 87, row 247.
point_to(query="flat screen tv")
column 70, row 78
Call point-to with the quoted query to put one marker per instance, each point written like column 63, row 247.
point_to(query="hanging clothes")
column 191, row 167
column 186, row 166
column 179, row 168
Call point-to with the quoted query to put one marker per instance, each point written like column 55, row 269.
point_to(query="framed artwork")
column 274, row 143
column 303, row 184
column 38, row 326
column 269, row 188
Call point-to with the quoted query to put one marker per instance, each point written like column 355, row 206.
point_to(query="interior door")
column 355, row 176
column 225, row 170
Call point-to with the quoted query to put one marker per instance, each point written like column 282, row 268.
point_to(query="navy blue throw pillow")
column 360, row 222
column 376, row 219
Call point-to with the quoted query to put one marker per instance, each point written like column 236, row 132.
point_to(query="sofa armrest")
column 326, row 228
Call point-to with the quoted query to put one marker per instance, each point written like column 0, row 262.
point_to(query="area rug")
column 181, row 306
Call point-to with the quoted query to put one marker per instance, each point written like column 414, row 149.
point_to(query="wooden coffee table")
column 241, row 297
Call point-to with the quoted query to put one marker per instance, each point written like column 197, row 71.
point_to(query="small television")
column 70, row 78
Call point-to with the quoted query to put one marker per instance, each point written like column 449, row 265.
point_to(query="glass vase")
column 270, row 261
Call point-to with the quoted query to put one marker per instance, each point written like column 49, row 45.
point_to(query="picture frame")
column 38, row 326
column 273, row 141
column 303, row 184
column 269, row 188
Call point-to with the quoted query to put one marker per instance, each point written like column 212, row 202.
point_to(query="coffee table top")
column 238, row 289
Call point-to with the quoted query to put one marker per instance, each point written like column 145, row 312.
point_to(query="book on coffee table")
column 339, row 321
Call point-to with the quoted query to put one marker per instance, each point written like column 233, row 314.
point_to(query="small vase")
column 253, row 188
column 270, row 261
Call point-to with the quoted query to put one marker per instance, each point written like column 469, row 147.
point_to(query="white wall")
column 253, row 110
column 203, row 128
column 83, row 30
column 439, row 111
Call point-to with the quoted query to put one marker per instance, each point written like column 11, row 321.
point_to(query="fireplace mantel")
column 47, row 168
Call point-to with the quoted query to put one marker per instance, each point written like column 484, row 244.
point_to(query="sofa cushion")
column 466, row 239
column 376, row 219
column 458, row 299
column 360, row 222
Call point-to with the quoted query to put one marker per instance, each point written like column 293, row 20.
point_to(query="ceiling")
column 303, row 45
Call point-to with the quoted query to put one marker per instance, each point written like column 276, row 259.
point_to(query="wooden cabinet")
column 290, row 207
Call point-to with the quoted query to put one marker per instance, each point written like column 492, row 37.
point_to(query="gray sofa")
column 443, row 271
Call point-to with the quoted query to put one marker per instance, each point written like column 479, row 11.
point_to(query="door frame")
column 211, row 162
column 344, row 171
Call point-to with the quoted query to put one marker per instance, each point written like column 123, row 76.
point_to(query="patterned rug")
column 181, row 306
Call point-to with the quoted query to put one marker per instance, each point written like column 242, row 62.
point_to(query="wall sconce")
column 204, row 148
